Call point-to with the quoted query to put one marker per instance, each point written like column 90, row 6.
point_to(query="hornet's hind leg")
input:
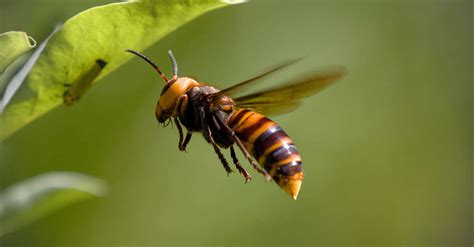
column 249, row 158
column 239, row 143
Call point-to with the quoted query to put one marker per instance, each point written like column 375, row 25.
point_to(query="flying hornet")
column 226, row 120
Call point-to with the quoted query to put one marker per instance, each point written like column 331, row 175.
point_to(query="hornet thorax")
column 215, row 112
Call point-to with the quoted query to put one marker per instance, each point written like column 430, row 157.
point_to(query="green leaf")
column 98, row 33
column 11, row 80
column 13, row 45
column 36, row 197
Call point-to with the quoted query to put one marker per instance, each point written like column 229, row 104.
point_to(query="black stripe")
column 167, row 86
column 247, row 132
column 291, row 168
column 237, row 118
column 267, row 139
column 280, row 154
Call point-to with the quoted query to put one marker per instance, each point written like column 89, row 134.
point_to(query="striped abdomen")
column 271, row 147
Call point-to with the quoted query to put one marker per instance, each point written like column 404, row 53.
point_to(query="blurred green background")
column 387, row 151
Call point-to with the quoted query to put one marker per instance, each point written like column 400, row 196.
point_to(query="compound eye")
column 168, row 85
column 165, row 88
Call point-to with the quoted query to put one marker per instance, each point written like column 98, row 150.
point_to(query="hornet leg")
column 183, row 145
column 249, row 158
column 208, row 136
column 180, row 130
column 243, row 149
column 181, row 104
column 239, row 167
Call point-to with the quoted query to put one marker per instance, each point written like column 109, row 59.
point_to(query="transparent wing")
column 287, row 98
column 232, row 90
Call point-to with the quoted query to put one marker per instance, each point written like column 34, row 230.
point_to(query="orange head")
column 172, row 91
column 170, row 96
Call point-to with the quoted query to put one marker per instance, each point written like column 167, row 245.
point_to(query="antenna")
column 150, row 62
column 175, row 64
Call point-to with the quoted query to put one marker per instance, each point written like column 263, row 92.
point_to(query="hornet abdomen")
column 271, row 147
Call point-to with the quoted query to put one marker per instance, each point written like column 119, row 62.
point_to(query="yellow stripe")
column 294, row 157
column 242, row 119
column 260, row 131
column 249, row 118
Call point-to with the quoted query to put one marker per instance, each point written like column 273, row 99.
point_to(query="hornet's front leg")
column 181, row 104
column 208, row 135
column 182, row 143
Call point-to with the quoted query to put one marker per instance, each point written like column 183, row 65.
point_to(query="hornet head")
column 173, row 90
